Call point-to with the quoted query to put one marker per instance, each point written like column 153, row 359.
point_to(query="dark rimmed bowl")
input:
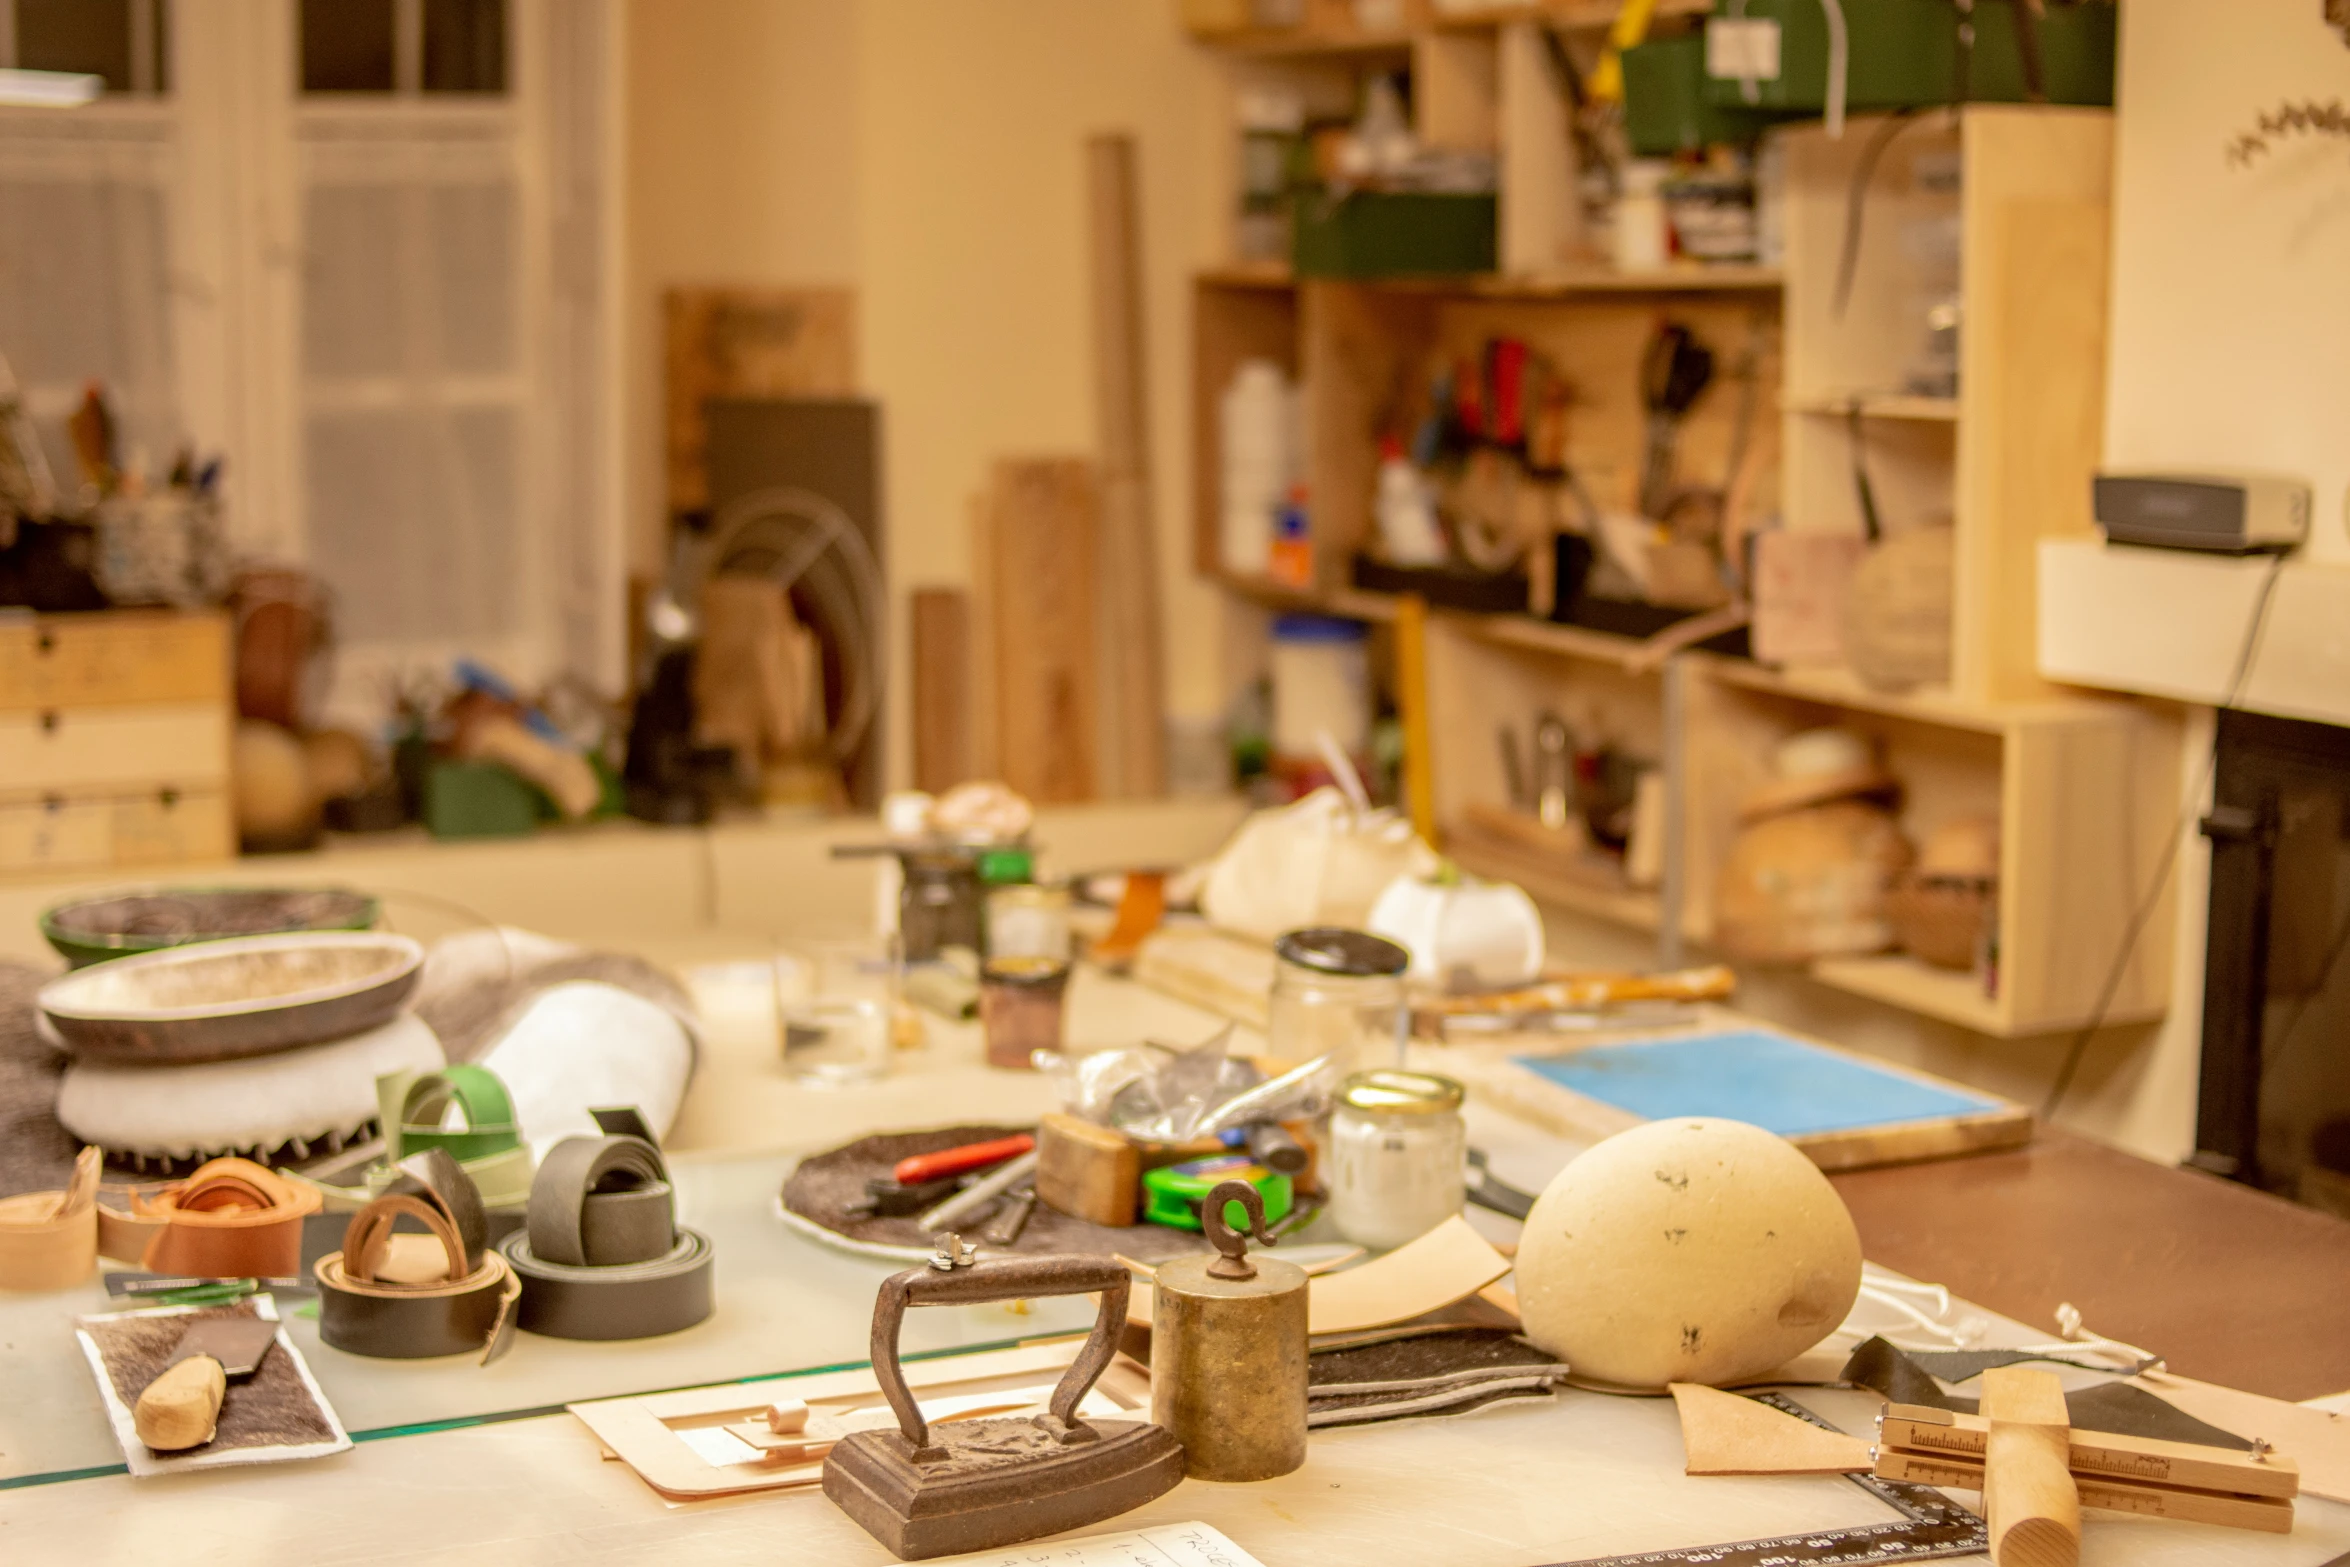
column 220, row 1000
column 149, row 919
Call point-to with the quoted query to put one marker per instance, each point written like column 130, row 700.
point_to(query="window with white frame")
column 364, row 246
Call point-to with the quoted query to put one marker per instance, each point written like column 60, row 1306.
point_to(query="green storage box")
column 481, row 800
column 1667, row 108
column 1394, row 234
column 1904, row 55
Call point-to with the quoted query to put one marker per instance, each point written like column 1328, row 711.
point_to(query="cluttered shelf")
column 1876, row 405
column 1226, row 28
column 1595, row 886
column 1551, row 283
column 1957, row 997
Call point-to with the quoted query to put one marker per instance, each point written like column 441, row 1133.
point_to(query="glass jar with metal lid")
column 1338, row 992
column 1394, row 1165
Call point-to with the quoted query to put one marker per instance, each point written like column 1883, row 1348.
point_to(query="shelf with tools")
column 1843, row 424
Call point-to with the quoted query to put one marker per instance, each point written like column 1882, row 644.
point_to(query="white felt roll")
column 259, row 1102
column 584, row 1044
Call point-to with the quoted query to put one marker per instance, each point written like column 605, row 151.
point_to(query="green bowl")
column 148, row 919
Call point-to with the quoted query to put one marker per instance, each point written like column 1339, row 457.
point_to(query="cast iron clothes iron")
column 978, row 1484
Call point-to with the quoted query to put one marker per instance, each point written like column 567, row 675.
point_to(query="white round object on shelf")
column 1686, row 1250
column 1487, row 933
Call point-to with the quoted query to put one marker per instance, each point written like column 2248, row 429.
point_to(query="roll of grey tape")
column 630, row 1300
column 579, row 1169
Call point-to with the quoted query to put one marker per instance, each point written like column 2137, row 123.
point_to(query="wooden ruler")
column 2123, row 1474
column 1929, row 1526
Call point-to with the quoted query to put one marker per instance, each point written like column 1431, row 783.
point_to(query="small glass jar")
column 1339, row 993
column 1025, row 920
column 1394, row 1162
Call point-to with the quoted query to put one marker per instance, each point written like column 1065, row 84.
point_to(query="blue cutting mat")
column 1782, row 1084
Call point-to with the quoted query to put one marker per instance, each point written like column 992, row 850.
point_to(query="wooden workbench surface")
column 2229, row 1284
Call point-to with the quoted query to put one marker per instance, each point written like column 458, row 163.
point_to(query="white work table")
column 1515, row 1485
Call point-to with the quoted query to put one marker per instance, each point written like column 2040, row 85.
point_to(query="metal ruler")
column 1930, row 1525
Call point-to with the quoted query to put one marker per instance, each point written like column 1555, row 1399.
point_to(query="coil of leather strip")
column 602, row 1255
column 462, row 1304
column 489, row 1145
column 231, row 1219
column 49, row 1240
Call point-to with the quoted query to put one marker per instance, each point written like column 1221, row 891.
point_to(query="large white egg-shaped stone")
column 1687, row 1250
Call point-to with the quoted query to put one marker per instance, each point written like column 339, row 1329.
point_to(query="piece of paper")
column 1170, row 1545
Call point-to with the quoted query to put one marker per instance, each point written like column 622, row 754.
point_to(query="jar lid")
column 1334, row 949
column 1392, row 1092
column 1014, row 863
column 1024, row 969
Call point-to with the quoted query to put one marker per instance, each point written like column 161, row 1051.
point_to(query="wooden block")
column 1799, row 586
column 1042, row 587
column 942, row 695
column 1086, row 1171
column 747, row 342
column 1725, row 1434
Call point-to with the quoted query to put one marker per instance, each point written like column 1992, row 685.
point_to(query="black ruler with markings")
column 1930, row 1525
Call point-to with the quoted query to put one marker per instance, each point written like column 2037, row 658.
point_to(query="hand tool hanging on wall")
column 1674, row 373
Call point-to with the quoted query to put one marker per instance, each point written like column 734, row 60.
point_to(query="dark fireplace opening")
column 2274, row 1109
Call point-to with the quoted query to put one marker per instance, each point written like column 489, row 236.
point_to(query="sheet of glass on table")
column 785, row 1303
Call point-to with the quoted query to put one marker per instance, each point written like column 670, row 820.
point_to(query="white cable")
column 1839, row 66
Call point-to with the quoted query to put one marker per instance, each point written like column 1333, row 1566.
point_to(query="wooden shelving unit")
column 2085, row 789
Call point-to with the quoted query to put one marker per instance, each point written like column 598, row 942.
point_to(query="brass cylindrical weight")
column 1228, row 1356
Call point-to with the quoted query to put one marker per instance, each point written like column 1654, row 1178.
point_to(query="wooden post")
column 942, row 688
column 1411, row 696
column 2029, row 1499
column 1133, row 728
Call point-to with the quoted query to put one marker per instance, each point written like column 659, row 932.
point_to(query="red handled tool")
column 917, row 1168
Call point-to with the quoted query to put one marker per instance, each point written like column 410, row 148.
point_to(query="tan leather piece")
column 231, row 1219
column 49, row 1240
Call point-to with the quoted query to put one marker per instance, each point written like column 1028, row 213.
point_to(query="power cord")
column 1864, row 169
column 2170, row 852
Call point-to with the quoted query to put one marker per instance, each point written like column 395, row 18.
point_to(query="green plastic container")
column 1904, row 54
column 1667, row 108
column 1174, row 1194
column 482, row 800
column 1394, row 234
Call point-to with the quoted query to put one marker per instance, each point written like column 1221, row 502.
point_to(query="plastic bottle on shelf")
column 1257, row 422
column 1408, row 530
column 1293, row 543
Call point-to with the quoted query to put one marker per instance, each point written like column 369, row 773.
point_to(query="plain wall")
column 2229, row 347
column 929, row 154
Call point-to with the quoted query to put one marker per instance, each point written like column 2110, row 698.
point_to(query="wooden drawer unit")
column 79, row 750
column 157, row 827
column 122, row 658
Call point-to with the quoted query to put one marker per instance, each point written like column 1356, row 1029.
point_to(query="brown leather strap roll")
column 231, row 1219
column 468, row 1308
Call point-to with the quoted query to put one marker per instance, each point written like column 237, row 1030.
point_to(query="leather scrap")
column 601, row 1255
column 1417, row 1374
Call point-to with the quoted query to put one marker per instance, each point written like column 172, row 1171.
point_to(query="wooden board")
column 746, row 342
column 1843, row 1110
column 1041, row 540
column 942, row 688
column 1134, row 752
